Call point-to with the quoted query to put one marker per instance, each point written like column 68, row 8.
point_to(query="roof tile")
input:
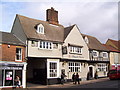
column 52, row 32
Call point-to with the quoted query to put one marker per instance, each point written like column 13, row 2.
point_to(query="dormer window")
column 105, row 55
column 40, row 29
column 86, row 40
column 95, row 53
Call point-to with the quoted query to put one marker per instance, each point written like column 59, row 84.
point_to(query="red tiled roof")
column 111, row 48
column 94, row 43
column 115, row 42
column 52, row 32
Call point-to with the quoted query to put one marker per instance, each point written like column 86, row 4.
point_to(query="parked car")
column 114, row 74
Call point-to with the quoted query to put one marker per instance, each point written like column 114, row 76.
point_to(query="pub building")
column 12, row 60
column 52, row 49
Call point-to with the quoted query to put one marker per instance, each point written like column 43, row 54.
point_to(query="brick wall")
column 9, row 54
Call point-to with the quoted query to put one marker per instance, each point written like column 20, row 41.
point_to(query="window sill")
column 40, row 33
column 45, row 49
column 52, row 77
column 102, row 71
column 95, row 57
column 18, row 60
column 75, row 53
column 76, row 71
column 105, row 57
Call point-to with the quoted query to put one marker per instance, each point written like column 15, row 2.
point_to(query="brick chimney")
column 52, row 16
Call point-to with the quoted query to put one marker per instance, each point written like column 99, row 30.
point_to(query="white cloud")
column 98, row 19
column 0, row 16
column 60, row 0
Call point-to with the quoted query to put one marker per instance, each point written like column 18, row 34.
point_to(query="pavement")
column 66, row 85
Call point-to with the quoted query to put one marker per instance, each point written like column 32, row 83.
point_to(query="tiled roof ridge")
column 88, row 35
column 70, row 26
column 92, row 37
column 111, row 47
column 112, row 40
column 35, row 19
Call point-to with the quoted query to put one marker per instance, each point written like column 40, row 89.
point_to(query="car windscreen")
column 112, row 71
column 118, row 71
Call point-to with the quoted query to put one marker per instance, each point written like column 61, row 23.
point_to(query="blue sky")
column 99, row 19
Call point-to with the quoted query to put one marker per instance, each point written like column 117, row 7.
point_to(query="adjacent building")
column 12, row 60
column 98, row 57
column 114, row 47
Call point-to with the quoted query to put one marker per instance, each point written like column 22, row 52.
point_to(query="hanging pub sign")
column 64, row 50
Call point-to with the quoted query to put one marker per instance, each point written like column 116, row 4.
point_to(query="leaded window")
column 74, row 67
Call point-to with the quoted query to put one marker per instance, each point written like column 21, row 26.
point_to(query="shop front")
column 8, row 73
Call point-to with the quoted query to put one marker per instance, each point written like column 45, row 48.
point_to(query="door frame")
column 92, row 69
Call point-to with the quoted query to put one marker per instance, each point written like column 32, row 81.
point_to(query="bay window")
column 74, row 49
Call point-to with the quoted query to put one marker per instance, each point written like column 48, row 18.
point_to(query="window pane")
column 50, row 46
column 17, row 50
column 47, row 45
column 40, row 44
column 18, row 54
column 43, row 44
column 53, row 69
column 17, row 57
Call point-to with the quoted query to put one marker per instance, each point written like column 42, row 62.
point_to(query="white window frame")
column 40, row 29
column 95, row 52
column 48, row 69
column 73, row 66
column 106, row 54
column 102, row 67
column 93, row 68
column 42, row 43
column 86, row 40
column 19, row 54
column 73, row 49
